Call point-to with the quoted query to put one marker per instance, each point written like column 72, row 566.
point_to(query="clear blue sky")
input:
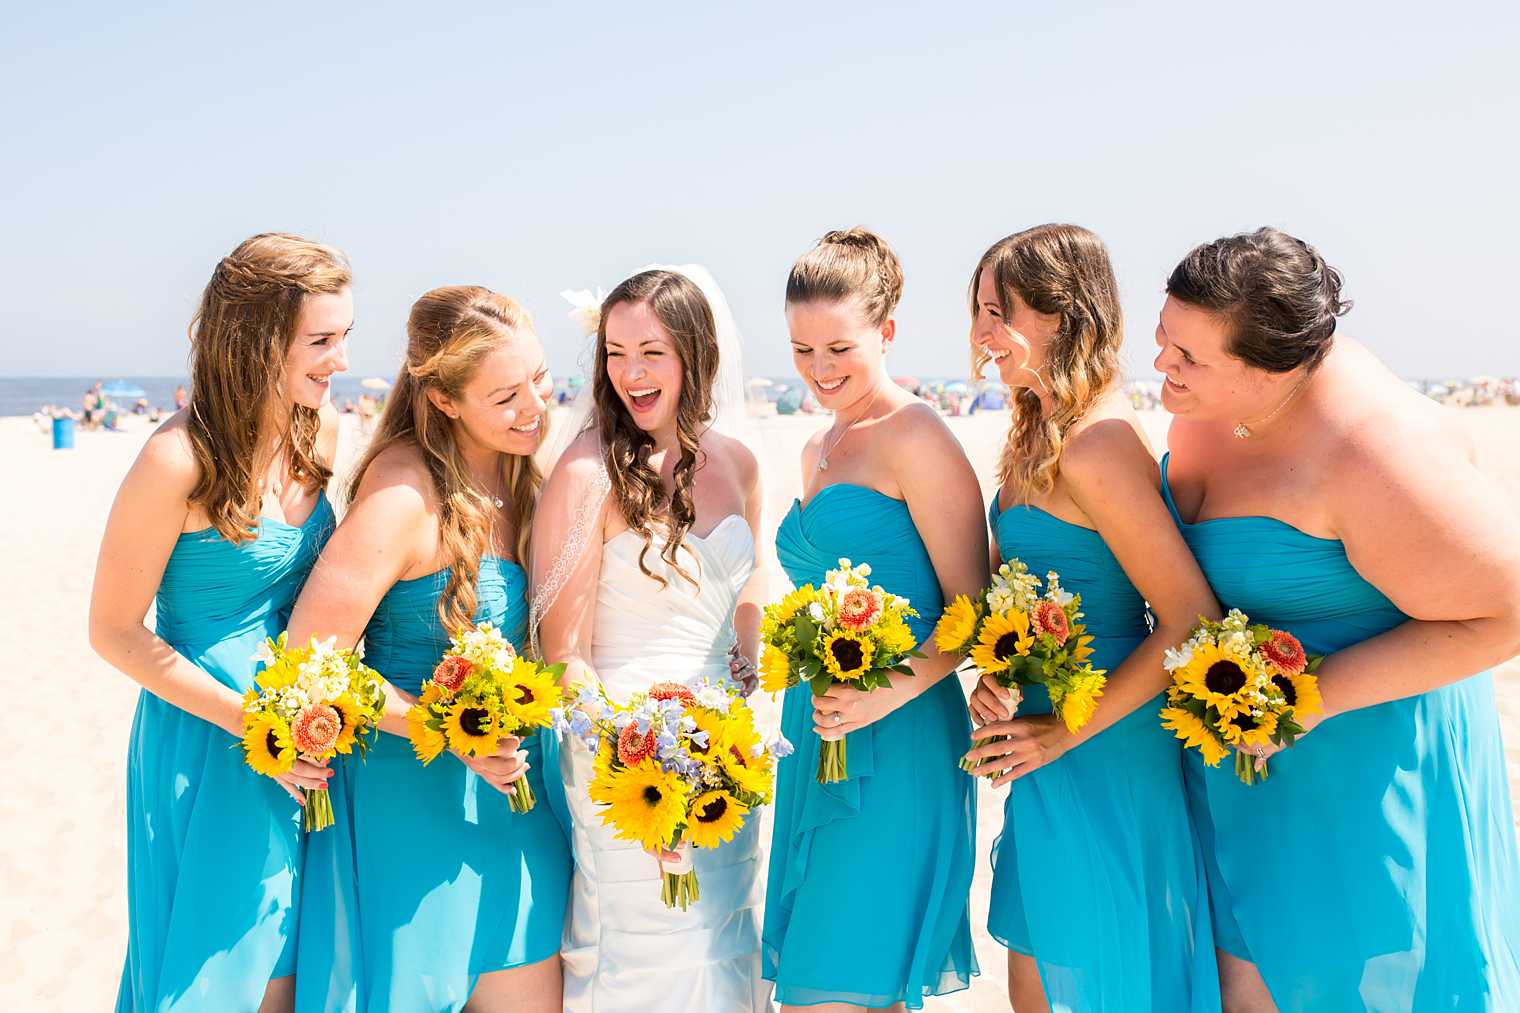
column 534, row 151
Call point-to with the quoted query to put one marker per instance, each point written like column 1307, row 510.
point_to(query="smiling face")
column 837, row 352
column 318, row 347
column 1017, row 341
column 501, row 407
column 643, row 366
column 1203, row 380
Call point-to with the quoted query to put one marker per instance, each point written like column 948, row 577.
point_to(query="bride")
column 648, row 527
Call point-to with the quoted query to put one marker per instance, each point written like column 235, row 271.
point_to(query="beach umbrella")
column 956, row 387
column 374, row 383
column 123, row 389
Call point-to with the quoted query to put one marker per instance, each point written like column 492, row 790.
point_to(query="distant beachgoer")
column 140, row 407
column 181, row 398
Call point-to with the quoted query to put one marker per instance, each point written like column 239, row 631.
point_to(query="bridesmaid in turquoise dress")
column 1376, row 867
column 217, row 524
column 429, row 892
column 869, row 879
column 1098, row 891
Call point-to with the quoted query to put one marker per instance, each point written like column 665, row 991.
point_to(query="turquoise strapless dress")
column 869, row 879
column 1376, row 868
column 428, row 880
column 213, row 849
column 1098, row 873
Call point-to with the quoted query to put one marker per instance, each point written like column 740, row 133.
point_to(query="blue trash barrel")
column 63, row 433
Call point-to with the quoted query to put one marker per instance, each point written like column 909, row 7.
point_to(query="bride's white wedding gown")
column 623, row 949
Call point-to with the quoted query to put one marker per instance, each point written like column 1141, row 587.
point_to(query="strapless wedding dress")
column 623, row 949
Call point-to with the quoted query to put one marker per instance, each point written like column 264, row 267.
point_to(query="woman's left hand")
column 743, row 671
column 845, row 709
column 1026, row 744
column 1263, row 753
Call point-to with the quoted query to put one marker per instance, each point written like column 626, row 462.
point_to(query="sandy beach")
column 62, row 857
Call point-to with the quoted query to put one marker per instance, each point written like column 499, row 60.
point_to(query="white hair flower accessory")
column 586, row 307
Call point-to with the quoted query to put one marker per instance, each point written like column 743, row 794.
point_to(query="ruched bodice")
column 832, row 934
column 1114, row 611
column 405, row 637
column 1393, row 821
column 864, row 526
column 213, row 589
column 213, row 849
column 644, row 632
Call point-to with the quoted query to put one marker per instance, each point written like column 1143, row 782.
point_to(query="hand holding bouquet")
column 1238, row 685
column 479, row 693
column 1021, row 635
column 677, row 767
column 314, row 702
column 844, row 632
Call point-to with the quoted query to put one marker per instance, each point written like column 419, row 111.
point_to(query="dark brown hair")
column 1277, row 296
column 682, row 310
column 239, row 337
column 1062, row 270
column 450, row 330
column 849, row 265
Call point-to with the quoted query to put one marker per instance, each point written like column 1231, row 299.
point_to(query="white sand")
column 62, row 853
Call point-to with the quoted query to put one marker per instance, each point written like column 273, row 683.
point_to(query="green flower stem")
column 521, row 798
column 832, row 762
column 318, row 809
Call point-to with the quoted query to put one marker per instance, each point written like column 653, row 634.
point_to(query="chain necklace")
column 1243, row 431
column 823, row 455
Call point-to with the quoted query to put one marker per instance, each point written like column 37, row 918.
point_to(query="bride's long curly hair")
column 682, row 310
column 1062, row 270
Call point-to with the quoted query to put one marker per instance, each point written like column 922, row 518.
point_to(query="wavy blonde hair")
column 682, row 310
column 239, row 338
column 1062, row 270
column 450, row 330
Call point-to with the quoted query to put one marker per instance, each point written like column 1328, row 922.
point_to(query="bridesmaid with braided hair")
column 217, row 525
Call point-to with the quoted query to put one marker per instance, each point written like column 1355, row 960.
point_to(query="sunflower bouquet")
column 846, row 631
column 1239, row 685
column 677, row 767
column 1023, row 635
column 482, row 691
column 313, row 702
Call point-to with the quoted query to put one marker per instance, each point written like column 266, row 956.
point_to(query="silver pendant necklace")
column 823, row 455
column 1243, row 431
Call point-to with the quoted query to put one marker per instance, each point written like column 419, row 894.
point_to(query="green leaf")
column 821, row 683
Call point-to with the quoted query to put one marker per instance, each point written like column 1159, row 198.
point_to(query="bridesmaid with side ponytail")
column 217, row 525
column 429, row 892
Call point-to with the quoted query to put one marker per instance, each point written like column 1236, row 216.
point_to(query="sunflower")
column 1004, row 636
column 280, row 674
column 532, row 692
column 775, row 670
column 644, row 803
column 1219, row 677
column 472, row 728
column 1301, row 692
column 267, row 745
column 751, row 774
column 847, row 655
column 427, row 742
column 1079, row 700
column 349, row 717
column 794, row 601
column 715, row 817
column 895, row 637
column 957, row 626
column 1190, row 728
column 1244, row 730
column 717, row 736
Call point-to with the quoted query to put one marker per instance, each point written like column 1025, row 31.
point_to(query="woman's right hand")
column 501, row 768
column 304, row 774
column 991, row 702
